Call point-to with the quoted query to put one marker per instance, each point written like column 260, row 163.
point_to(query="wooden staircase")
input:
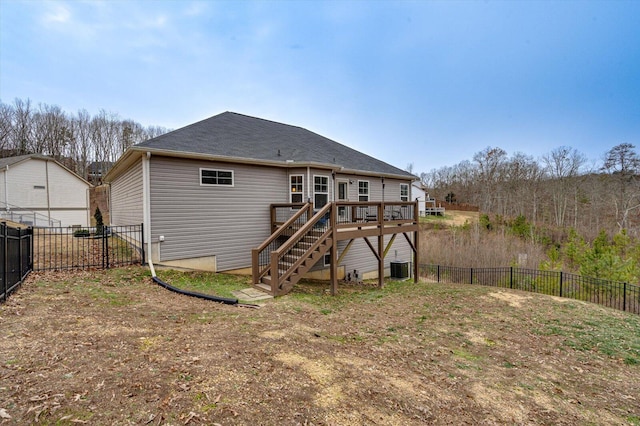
column 290, row 252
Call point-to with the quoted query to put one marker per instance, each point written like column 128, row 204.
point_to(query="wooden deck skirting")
column 298, row 231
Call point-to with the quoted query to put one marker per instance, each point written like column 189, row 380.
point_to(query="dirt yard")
column 453, row 218
column 112, row 348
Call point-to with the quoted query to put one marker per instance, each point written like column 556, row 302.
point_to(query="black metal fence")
column 613, row 294
column 16, row 260
column 105, row 247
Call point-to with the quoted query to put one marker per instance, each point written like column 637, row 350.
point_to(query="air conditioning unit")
column 400, row 270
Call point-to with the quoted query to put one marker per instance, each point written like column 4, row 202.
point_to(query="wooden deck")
column 301, row 236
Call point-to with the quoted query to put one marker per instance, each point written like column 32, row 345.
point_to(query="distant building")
column 96, row 170
column 39, row 191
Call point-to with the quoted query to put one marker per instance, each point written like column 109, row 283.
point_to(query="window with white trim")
column 404, row 192
column 216, row 177
column 296, row 188
column 363, row 190
column 320, row 191
column 327, row 259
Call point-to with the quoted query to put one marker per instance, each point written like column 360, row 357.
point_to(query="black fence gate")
column 16, row 259
column 60, row 248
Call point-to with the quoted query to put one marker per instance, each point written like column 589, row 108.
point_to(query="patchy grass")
column 114, row 348
column 205, row 282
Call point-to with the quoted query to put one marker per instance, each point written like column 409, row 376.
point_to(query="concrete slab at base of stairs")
column 251, row 295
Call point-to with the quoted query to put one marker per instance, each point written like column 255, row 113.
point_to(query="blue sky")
column 423, row 82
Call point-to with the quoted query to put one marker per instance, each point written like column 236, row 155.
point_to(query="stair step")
column 263, row 287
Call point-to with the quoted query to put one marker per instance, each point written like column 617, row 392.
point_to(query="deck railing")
column 284, row 260
column 286, row 219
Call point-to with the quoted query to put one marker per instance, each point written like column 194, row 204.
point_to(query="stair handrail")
column 255, row 253
column 277, row 254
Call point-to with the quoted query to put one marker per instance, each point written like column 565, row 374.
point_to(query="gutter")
column 241, row 160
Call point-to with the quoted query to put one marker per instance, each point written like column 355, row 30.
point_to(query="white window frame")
column 223, row 185
column 403, row 197
column 296, row 192
column 327, row 255
column 368, row 194
column 316, row 192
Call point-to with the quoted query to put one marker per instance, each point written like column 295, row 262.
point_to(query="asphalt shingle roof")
column 8, row 161
column 243, row 137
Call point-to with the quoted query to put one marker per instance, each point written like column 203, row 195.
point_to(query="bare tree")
column 51, row 131
column 22, row 127
column 521, row 186
column 155, row 131
column 623, row 164
column 490, row 169
column 562, row 166
column 6, row 125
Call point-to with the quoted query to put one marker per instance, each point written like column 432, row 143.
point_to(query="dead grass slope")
column 112, row 348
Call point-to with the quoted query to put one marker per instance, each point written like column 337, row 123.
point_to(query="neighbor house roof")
column 11, row 161
column 236, row 137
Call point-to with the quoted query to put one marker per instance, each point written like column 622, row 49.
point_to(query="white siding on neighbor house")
column 22, row 180
column 126, row 197
column 66, row 190
column 199, row 221
column 66, row 217
column 47, row 188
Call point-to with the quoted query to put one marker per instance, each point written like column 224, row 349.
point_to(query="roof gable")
column 237, row 136
column 13, row 161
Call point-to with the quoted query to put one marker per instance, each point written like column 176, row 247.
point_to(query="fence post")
column 20, row 253
column 624, row 297
column 32, row 245
column 144, row 258
column 560, row 283
column 4, row 260
column 471, row 275
column 105, row 244
column 438, row 273
column 510, row 276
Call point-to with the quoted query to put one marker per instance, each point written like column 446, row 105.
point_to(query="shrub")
column 81, row 233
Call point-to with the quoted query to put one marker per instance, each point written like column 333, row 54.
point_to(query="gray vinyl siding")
column 126, row 197
column 361, row 258
column 198, row 221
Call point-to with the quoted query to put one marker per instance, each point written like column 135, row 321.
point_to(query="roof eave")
column 129, row 156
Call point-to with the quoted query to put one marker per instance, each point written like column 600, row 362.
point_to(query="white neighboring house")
column 419, row 194
column 37, row 190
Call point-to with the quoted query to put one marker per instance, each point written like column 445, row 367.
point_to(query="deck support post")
column 381, row 245
column 334, row 250
column 416, row 244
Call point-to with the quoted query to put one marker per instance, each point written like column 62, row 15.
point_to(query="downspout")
column 308, row 184
column 146, row 203
column 46, row 172
column 88, row 205
column 6, row 188
column 333, row 185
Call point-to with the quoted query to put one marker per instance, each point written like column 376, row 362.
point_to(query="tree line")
column 75, row 140
column 560, row 189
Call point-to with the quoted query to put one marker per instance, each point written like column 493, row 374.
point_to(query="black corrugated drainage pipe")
column 224, row 300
